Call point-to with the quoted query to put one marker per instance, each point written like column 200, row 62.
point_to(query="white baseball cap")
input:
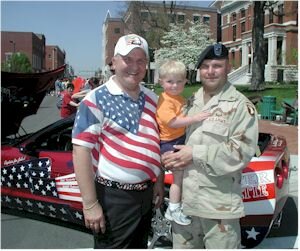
column 128, row 42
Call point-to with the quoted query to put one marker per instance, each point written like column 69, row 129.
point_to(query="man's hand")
column 159, row 190
column 94, row 219
column 178, row 160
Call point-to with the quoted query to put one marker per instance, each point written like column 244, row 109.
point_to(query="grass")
column 279, row 91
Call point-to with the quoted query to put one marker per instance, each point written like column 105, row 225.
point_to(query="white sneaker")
column 177, row 216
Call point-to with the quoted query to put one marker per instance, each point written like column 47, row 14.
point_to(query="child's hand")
column 202, row 116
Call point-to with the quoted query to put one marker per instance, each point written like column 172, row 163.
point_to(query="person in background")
column 65, row 82
column 58, row 87
column 116, row 152
column 78, row 83
column 213, row 157
column 172, row 122
column 91, row 84
column 69, row 106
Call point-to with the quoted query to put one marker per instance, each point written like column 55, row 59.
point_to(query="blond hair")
column 172, row 67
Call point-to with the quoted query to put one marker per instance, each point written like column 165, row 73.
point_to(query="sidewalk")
column 290, row 132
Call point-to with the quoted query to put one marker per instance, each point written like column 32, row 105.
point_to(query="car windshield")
column 56, row 137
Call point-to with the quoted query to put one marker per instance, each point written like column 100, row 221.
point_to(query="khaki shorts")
column 207, row 233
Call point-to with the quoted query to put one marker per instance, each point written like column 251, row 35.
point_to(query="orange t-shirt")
column 168, row 108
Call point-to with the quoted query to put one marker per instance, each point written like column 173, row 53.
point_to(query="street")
column 18, row 231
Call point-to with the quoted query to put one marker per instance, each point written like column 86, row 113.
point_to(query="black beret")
column 215, row 51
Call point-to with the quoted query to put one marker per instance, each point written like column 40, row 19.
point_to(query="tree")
column 259, row 53
column 184, row 44
column 258, row 65
column 150, row 22
column 18, row 62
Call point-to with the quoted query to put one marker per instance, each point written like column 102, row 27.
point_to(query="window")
column 243, row 27
column 172, row 17
column 180, row 18
column 243, row 13
column 154, row 17
column 280, row 13
column 34, row 61
column 58, row 139
column 144, row 16
column 196, row 18
column 234, row 32
column 8, row 55
column 117, row 30
column 240, row 56
column 225, row 19
column 271, row 16
column 233, row 59
column 233, row 16
column 206, row 20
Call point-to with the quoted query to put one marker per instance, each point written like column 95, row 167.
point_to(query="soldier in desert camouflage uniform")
column 216, row 152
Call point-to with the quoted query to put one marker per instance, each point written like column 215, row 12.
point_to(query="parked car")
column 37, row 175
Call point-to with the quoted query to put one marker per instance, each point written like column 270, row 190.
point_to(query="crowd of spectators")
column 70, row 91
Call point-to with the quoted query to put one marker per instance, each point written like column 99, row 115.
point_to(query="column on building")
column 272, row 50
column 270, row 70
column 245, row 52
column 245, row 58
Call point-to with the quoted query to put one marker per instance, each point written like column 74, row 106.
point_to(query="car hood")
column 21, row 96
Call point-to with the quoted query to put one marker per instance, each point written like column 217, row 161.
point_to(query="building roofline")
column 186, row 7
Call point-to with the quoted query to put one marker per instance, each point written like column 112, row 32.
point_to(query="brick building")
column 141, row 16
column 280, row 33
column 54, row 57
column 112, row 30
column 138, row 15
column 34, row 47
column 29, row 43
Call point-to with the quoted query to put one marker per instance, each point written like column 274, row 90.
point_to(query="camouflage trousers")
column 207, row 233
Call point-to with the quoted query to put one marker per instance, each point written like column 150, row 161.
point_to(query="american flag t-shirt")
column 121, row 132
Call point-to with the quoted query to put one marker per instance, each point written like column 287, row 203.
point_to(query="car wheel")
column 161, row 234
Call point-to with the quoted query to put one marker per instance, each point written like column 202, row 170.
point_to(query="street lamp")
column 14, row 44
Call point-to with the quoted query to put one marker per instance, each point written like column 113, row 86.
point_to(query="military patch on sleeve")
column 250, row 108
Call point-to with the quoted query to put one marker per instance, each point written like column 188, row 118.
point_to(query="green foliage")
column 293, row 56
column 278, row 91
column 18, row 62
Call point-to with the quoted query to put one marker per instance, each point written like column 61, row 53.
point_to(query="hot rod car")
column 37, row 175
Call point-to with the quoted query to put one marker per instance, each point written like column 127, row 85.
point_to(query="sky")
column 74, row 26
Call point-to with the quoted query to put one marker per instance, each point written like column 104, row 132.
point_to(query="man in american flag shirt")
column 116, row 152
